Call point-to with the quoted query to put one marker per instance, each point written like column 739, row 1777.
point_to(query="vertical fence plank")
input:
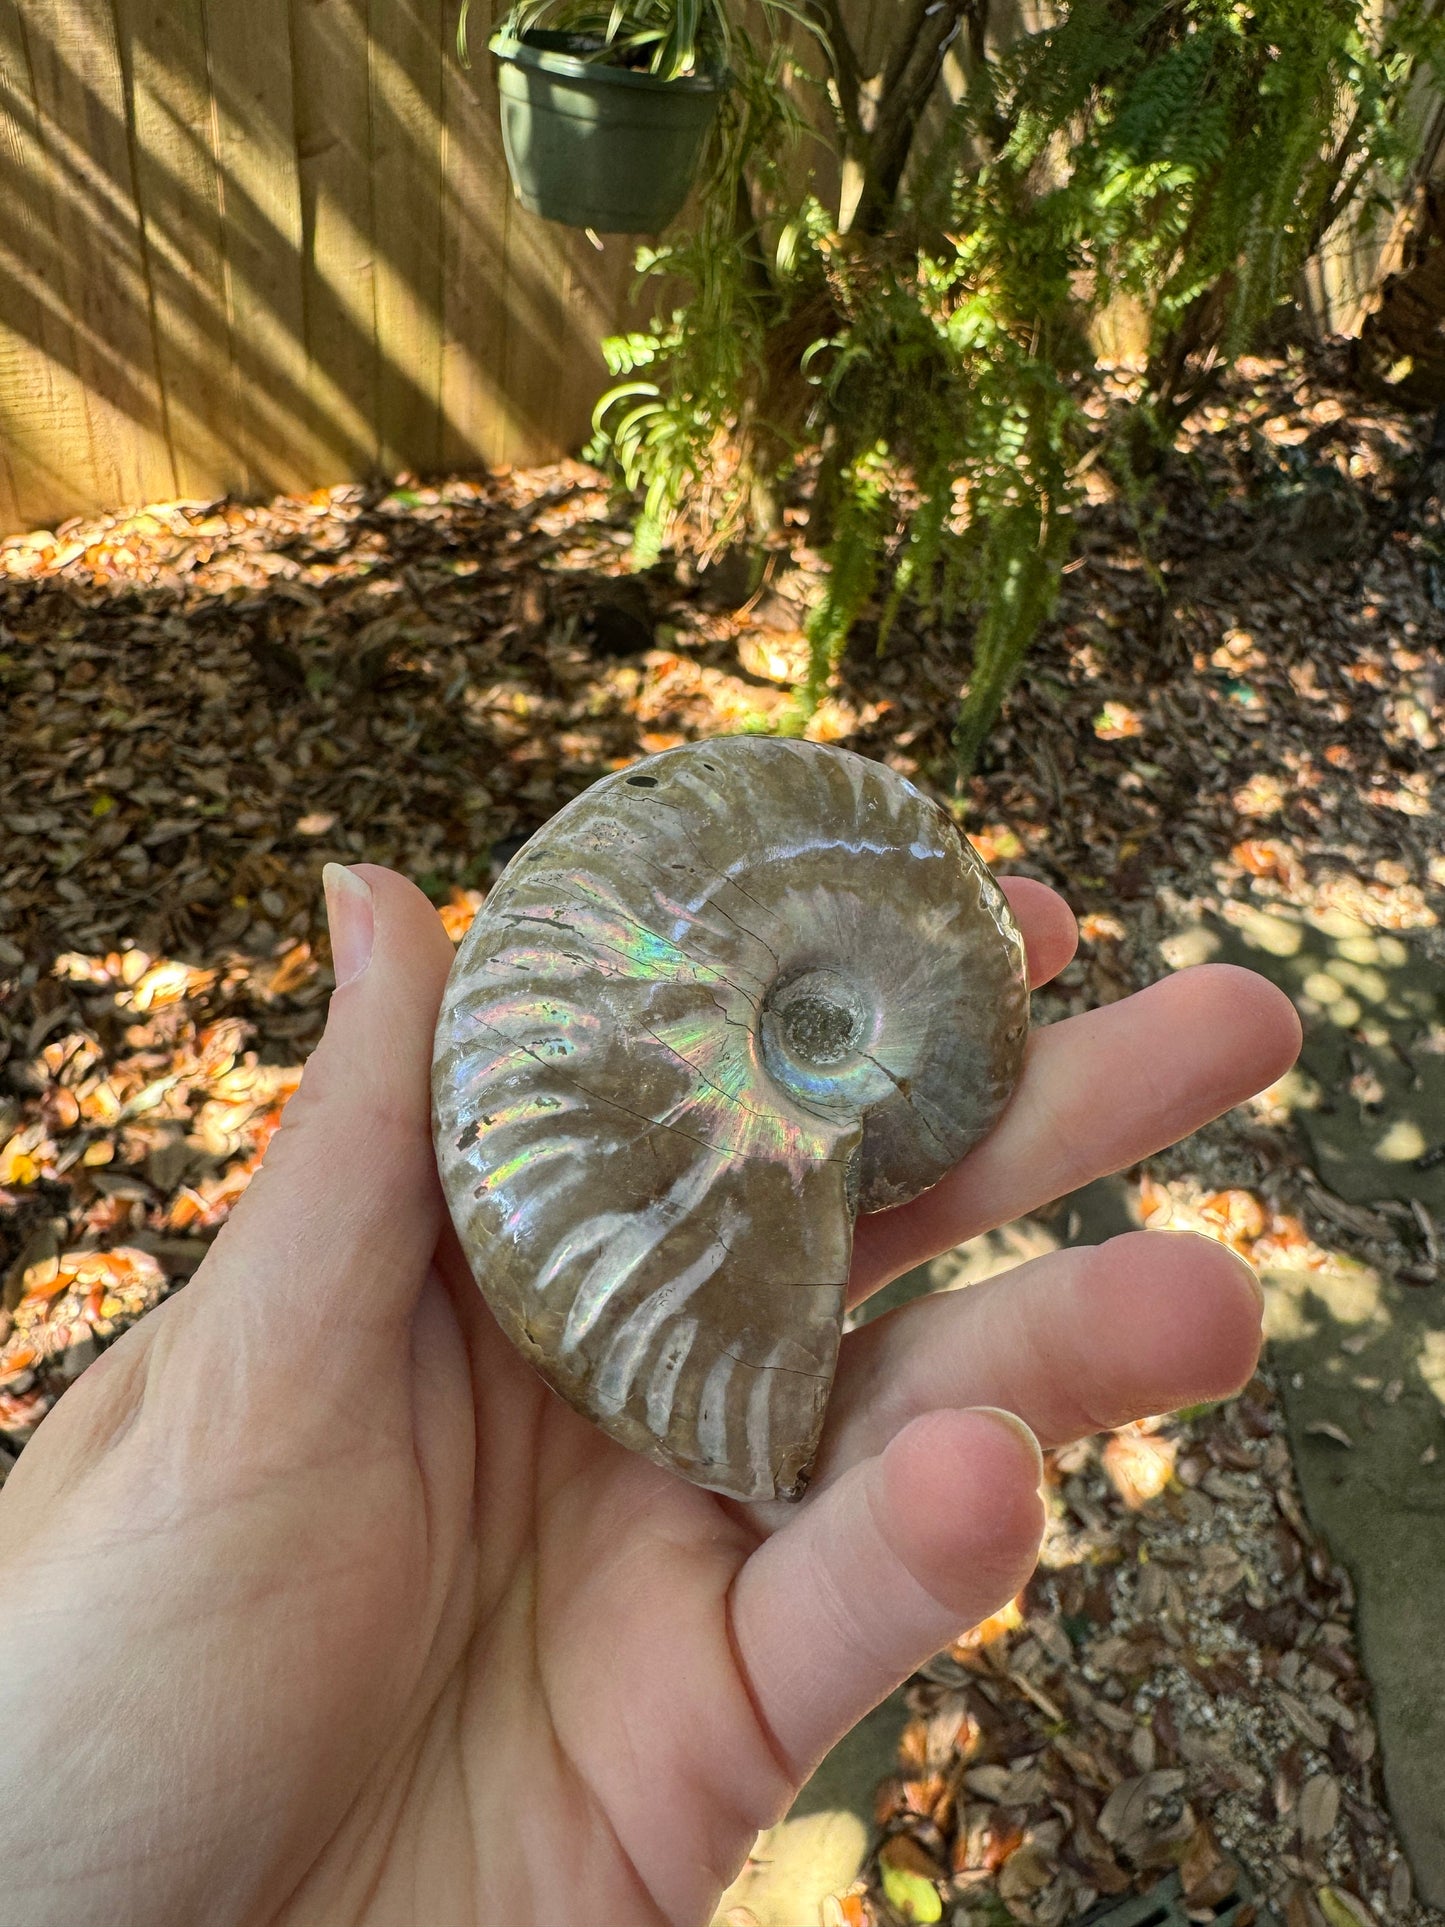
column 534, row 325
column 287, row 440
column 46, row 426
column 339, row 278
column 596, row 291
column 163, row 54
column 83, row 148
column 478, row 210
column 552, row 367
column 333, row 146
column 407, row 39
column 274, row 245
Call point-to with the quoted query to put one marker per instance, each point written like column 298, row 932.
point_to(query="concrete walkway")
column 1361, row 1359
column 1361, row 1355
column 1363, row 1373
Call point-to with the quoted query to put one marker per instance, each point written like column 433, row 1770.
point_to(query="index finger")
column 1050, row 934
column 1098, row 1093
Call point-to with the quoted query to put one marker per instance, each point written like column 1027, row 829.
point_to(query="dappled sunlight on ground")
column 1180, row 1678
column 1226, row 746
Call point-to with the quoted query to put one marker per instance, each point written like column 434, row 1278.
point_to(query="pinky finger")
column 888, row 1565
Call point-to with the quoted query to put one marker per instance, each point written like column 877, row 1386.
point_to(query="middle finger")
column 1079, row 1341
column 1098, row 1093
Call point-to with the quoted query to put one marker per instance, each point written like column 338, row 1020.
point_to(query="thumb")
column 306, row 1297
column 335, row 1233
column 884, row 1567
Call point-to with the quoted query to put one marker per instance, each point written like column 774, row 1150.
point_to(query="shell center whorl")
column 821, row 1031
column 817, row 1028
column 821, row 1018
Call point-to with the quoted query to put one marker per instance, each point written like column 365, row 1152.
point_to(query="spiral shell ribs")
column 723, row 1001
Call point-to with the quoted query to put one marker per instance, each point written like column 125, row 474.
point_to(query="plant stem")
column 847, row 68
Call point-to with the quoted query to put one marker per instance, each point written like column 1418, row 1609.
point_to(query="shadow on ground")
column 821, row 1847
column 1362, row 1368
column 1361, row 1352
column 1368, row 1095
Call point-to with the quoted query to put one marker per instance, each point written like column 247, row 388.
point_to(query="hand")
column 320, row 1609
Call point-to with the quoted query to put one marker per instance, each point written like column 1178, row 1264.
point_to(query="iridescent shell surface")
column 721, row 1002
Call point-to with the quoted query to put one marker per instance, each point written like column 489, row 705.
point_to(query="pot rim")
column 532, row 51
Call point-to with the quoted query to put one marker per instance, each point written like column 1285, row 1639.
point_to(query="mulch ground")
column 1239, row 701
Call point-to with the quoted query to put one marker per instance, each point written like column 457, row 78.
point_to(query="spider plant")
column 666, row 38
column 669, row 39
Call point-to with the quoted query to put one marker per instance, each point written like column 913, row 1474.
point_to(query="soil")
column 1235, row 715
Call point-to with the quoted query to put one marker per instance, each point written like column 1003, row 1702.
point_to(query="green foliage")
column 1216, row 136
column 668, row 38
column 855, row 558
column 929, row 328
column 685, row 422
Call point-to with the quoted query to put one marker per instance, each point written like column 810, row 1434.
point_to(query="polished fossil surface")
column 723, row 1001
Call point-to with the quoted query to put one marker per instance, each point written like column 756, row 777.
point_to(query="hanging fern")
column 854, row 556
column 928, row 330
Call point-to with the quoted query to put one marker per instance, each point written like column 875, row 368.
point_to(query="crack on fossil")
column 735, row 1023
column 599, row 1097
column 713, row 869
column 710, row 869
column 786, row 1284
column 793, row 1371
column 729, row 1097
column 908, row 1099
column 707, row 972
column 732, row 883
column 706, row 978
column 706, row 983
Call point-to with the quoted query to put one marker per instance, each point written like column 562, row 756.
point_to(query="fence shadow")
column 262, row 248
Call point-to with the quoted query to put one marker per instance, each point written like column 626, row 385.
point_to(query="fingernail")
column 1020, row 1431
column 352, row 921
column 1248, row 1271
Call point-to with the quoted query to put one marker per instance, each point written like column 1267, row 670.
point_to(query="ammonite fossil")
column 723, row 1001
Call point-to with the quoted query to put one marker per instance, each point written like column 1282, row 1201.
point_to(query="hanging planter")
column 598, row 146
column 606, row 111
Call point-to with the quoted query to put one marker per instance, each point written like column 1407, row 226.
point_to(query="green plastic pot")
column 595, row 146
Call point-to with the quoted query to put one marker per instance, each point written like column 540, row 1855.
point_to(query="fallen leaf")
column 1342, row 1909
column 996, row 843
column 1262, row 795
column 1323, row 1428
column 1140, row 1466
column 913, row 1897
column 845, row 1910
column 997, row 1626
column 1024, row 1874
column 294, row 967
column 1126, row 1811
column 1319, row 1807
column 459, row 914
column 1099, row 927
column 910, row 1878
column 1238, row 1215
column 1115, row 721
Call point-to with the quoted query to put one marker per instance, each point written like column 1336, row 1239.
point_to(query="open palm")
column 321, row 1609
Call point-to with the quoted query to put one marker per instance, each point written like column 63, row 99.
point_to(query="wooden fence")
column 249, row 245
column 259, row 244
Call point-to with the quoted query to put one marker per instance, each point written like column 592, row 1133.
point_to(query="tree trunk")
column 1402, row 346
